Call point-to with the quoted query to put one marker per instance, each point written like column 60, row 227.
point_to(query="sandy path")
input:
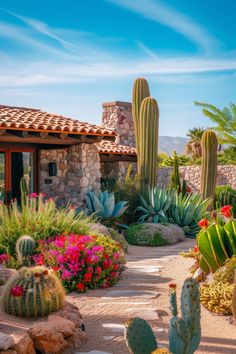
column 144, row 291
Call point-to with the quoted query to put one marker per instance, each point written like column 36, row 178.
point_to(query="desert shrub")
column 118, row 237
column 40, row 219
column 83, row 262
column 225, row 195
column 154, row 234
column 108, row 183
column 110, row 232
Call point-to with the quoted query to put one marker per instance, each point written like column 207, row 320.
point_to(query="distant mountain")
column 169, row 143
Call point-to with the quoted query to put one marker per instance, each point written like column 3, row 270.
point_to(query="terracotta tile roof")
column 110, row 147
column 21, row 118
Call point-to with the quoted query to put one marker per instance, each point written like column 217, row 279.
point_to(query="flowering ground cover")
column 83, row 262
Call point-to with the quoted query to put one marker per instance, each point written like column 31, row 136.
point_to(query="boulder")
column 46, row 338
column 8, row 351
column 76, row 340
column 23, row 344
column 72, row 313
column 6, row 341
column 61, row 325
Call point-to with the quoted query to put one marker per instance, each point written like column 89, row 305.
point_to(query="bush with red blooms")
column 4, row 258
column 83, row 262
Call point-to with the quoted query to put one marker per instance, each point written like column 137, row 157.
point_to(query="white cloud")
column 162, row 13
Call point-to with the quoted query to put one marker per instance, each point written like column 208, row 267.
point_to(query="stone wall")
column 118, row 116
column 226, row 174
column 78, row 170
column 117, row 169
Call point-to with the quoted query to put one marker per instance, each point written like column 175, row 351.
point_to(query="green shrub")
column 225, row 195
column 39, row 218
column 116, row 236
column 154, row 234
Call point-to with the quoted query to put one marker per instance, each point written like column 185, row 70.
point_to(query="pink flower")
column 38, row 259
column 33, row 195
column 4, row 258
column 66, row 274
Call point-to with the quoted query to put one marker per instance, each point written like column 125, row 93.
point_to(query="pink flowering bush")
column 83, row 262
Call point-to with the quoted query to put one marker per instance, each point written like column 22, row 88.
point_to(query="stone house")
column 60, row 156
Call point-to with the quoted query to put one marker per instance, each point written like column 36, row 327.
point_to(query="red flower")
column 45, row 272
column 87, row 277
column 98, row 270
column 115, row 267
column 188, row 189
column 203, row 223
column 172, row 286
column 17, row 290
column 195, row 249
column 55, row 268
column 80, row 287
column 226, row 211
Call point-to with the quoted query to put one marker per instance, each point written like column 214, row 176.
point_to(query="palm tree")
column 225, row 120
column 193, row 147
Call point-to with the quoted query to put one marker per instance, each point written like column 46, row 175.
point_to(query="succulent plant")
column 103, row 205
column 186, row 211
column 33, row 292
column 25, row 246
column 140, row 91
column 139, row 336
column 148, row 144
column 154, row 207
column 217, row 244
column 185, row 332
column 219, row 295
column 209, row 164
column 174, row 177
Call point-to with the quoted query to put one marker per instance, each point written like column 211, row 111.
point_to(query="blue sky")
column 69, row 56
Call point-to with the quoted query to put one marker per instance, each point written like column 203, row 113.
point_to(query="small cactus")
column 33, row 292
column 25, row 246
column 185, row 332
column 139, row 336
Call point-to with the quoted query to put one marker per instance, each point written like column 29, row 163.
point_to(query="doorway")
column 15, row 164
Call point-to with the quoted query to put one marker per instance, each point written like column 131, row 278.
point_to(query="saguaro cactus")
column 149, row 124
column 209, row 164
column 185, row 332
column 140, row 91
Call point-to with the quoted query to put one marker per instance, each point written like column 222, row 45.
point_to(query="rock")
column 23, row 344
column 72, row 313
column 61, row 325
column 46, row 338
column 6, row 341
column 77, row 339
column 8, row 351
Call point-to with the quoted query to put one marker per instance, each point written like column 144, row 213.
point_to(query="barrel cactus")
column 33, row 292
column 25, row 246
column 209, row 164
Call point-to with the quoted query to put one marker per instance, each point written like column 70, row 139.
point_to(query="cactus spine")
column 33, row 292
column 140, row 91
column 25, row 246
column 209, row 164
column 149, row 121
column 185, row 332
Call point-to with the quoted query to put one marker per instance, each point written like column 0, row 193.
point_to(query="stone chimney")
column 118, row 116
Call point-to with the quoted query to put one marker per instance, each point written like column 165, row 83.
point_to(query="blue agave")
column 103, row 205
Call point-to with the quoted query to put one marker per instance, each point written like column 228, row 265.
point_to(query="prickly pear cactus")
column 139, row 336
column 33, row 292
column 185, row 332
column 25, row 246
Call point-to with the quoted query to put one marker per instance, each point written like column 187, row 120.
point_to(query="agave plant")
column 154, row 208
column 186, row 211
column 103, row 205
